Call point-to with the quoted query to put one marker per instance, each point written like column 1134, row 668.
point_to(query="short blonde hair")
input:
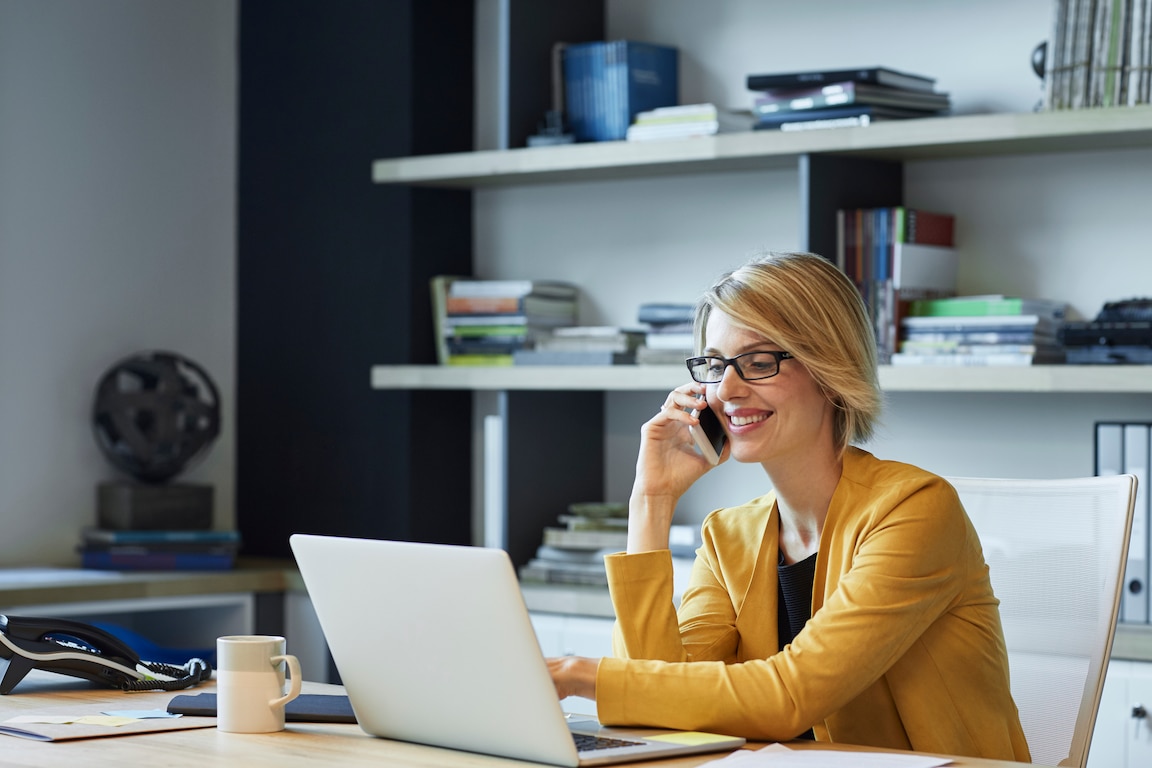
column 802, row 302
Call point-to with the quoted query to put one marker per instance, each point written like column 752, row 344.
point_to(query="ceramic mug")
column 250, row 695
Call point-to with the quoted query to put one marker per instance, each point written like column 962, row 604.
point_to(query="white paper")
column 780, row 756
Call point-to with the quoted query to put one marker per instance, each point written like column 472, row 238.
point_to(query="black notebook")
column 305, row 708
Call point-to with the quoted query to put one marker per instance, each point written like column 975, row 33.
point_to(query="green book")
column 969, row 306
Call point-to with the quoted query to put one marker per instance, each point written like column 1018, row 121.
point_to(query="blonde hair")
column 802, row 302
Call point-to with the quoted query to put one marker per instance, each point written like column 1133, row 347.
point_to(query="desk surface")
column 300, row 744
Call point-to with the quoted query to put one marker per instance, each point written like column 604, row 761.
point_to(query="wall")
column 1035, row 225
column 117, row 227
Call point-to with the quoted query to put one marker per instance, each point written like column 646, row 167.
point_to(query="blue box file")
column 607, row 83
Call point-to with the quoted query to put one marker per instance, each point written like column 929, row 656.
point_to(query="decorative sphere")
column 155, row 414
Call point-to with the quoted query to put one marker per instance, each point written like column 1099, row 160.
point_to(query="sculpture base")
column 131, row 507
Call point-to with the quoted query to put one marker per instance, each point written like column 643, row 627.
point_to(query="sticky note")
column 689, row 737
column 107, row 720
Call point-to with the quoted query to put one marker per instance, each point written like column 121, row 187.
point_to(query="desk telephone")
column 81, row 650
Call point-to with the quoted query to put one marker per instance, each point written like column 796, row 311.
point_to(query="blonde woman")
column 851, row 602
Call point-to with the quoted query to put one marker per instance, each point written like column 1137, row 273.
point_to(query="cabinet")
column 1123, row 734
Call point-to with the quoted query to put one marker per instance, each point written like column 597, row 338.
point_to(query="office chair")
column 1056, row 551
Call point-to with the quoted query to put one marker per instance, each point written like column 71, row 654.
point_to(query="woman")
column 851, row 601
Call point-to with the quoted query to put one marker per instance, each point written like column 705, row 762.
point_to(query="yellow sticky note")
column 109, row 720
column 689, row 737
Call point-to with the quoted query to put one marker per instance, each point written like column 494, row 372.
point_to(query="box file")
column 1126, row 448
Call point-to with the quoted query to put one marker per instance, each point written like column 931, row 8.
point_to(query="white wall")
column 1072, row 227
column 117, row 234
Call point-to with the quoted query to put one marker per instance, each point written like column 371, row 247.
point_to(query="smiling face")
column 782, row 419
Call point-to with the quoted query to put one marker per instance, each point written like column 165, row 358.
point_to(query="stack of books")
column 574, row 552
column 668, row 338
column 583, row 345
column 1098, row 55
column 158, row 550
column 607, row 83
column 675, row 122
column 841, row 98
column 896, row 255
column 982, row 330
column 484, row 322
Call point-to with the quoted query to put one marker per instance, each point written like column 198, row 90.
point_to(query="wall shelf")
column 926, row 138
column 1070, row 379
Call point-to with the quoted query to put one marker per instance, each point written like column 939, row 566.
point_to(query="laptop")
column 434, row 645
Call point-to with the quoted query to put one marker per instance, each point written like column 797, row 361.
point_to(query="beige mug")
column 250, row 695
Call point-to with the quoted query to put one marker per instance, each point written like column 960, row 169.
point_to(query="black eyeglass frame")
column 692, row 362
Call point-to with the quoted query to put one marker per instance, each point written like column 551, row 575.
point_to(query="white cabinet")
column 1123, row 734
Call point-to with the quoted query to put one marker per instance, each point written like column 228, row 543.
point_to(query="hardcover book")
column 780, row 100
column 877, row 75
column 849, row 114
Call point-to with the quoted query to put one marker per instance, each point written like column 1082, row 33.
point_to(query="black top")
column 795, row 603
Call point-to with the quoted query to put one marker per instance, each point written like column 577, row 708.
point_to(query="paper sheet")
column 780, row 756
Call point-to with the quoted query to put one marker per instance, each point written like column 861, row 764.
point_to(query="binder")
column 1136, row 455
column 1109, row 454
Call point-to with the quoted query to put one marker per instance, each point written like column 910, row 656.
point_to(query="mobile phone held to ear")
column 709, row 436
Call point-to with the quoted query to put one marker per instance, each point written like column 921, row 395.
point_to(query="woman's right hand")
column 667, row 466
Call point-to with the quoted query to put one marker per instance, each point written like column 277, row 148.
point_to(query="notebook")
column 434, row 645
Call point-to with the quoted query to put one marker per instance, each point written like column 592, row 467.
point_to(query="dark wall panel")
column 332, row 272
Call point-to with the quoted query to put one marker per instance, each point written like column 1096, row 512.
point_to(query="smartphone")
column 709, row 436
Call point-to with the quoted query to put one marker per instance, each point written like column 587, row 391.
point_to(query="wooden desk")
column 300, row 744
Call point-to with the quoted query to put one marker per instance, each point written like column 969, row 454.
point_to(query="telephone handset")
column 82, row 650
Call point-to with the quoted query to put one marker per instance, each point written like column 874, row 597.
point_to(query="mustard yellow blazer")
column 904, row 648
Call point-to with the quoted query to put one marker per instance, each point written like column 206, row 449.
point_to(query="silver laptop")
column 434, row 645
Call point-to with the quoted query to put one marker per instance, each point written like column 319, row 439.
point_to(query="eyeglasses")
column 750, row 366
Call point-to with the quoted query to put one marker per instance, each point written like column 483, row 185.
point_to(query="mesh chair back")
column 1056, row 552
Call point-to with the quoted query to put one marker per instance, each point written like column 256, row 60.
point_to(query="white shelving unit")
column 1070, row 379
column 922, row 139
column 973, row 136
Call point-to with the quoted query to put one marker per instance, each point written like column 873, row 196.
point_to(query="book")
column 978, row 359
column 662, row 313
column 607, row 83
column 146, row 560
column 566, row 538
column 583, row 338
column 991, row 304
column 1023, row 336
column 648, row 356
column 812, row 98
column 500, row 360
column 151, row 537
column 954, row 347
column 529, row 304
column 571, row 357
column 1043, row 324
column 684, row 340
column 681, row 113
column 850, row 114
column 876, row 75
column 671, row 131
column 471, row 287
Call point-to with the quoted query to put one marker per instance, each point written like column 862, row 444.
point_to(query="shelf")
column 925, row 138
column 645, row 378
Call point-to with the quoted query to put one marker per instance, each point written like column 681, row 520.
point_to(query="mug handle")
column 295, row 680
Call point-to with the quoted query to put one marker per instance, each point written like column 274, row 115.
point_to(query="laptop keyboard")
column 586, row 742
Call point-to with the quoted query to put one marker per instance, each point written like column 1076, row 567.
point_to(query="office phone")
column 82, row 650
